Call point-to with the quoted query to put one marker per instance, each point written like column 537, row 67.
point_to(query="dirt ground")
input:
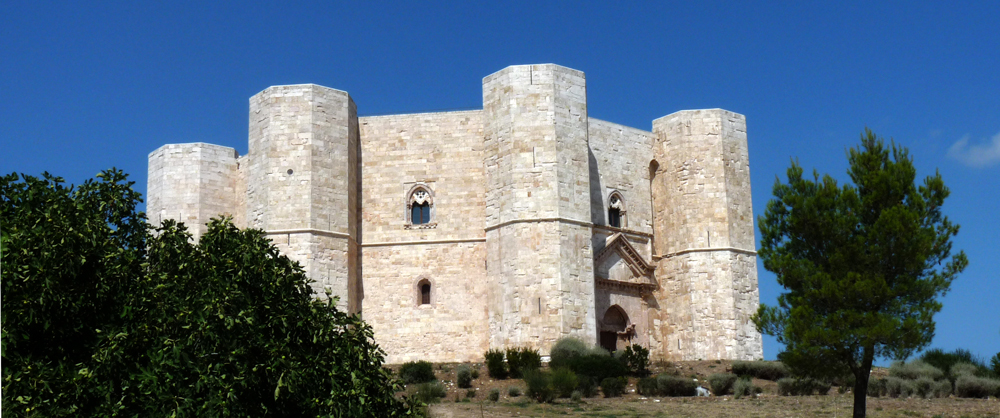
column 767, row 404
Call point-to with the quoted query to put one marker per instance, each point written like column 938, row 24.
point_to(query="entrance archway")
column 615, row 321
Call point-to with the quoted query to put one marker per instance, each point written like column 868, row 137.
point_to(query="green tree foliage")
column 863, row 264
column 101, row 318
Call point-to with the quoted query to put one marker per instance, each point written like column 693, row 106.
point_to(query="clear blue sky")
column 89, row 85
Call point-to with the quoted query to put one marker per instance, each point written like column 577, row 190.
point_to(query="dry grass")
column 769, row 404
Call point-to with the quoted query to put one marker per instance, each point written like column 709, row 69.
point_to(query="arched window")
column 616, row 210
column 419, row 207
column 424, row 292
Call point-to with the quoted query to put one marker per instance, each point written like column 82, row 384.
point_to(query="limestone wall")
column 303, row 162
column 620, row 158
column 191, row 183
column 539, row 249
column 444, row 153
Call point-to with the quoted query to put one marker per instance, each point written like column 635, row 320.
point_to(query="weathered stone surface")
column 517, row 250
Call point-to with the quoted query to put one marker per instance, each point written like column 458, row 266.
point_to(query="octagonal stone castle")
column 455, row 232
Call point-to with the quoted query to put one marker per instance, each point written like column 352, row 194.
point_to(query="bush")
column 896, row 387
column 417, row 372
column 576, row 396
column 564, row 381
column 923, row 387
column 599, row 367
column 876, row 388
column 721, row 383
column 613, row 387
column 944, row 361
column 513, row 391
column 429, row 392
column 564, row 349
column 469, row 394
column 792, row 386
column 963, row 369
column 976, row 387
column 539, row 386
column 766, row 370
column 646, row 386
column 915, row 370
column 995, row 364
column 745, row 387
column 464, row 377
column 587, row 386
column 941, row 388
column 494, row 395
column 495, row 365
column 522, row 359
column 475, row 373
column 635, row 358
column 668, row 385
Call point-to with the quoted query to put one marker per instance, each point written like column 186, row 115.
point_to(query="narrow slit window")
column 425, row 294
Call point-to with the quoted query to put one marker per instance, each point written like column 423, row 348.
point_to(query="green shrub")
column 876, row 387
column 539, row 386
column 514, row 391
column 576, row 396
column 766, row 370
column 721, row 383
column 915, row 370
column 475, row 373
column 522, row 359
column 564, row 381
column 564, row 349
column 464, row 377
column 469, row 394
column 793, row 386
column 597, row 366
column 945, row 361
column 417, row 372
column 646, row 386
column 896, row 387
column 923, row 387
column 976, row 387
column 429, row 392
column 668, row 385
column 494, row 395
column 635, row 358
column 745, row 387
column 613, row 387
column 495, row 364
column 963, row 369
column 995, row 364
column 941, row 388
column 587, row 386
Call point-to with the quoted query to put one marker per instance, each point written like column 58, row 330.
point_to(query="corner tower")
column 191, row 183
column 538, row 236
column 703, row 237
column 303, row 180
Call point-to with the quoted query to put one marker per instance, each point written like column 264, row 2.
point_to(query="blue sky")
column 90, row 86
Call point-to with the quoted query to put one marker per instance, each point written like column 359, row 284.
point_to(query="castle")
column 455, row 232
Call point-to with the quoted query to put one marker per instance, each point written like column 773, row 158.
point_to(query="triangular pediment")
column 619, row 264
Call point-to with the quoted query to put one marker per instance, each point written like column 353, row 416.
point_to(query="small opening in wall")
column 289, row 171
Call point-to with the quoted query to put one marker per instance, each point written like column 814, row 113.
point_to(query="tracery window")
column 616, row 211
column 420, row 207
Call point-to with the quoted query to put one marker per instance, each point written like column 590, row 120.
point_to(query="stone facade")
column 452, row 233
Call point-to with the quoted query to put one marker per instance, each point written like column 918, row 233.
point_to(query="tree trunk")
column 861, row 383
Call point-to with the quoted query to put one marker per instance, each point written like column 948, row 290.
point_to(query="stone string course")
column 519, row 195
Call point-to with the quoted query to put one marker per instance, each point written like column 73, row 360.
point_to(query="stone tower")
column 304, row 179
column 703, row 237
column 538, row 235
